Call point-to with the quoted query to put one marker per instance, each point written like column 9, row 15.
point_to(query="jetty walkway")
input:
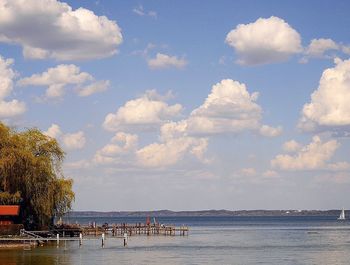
column 76, row 232
column 136, row 229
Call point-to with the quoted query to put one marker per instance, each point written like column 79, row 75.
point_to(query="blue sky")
column 185, row 105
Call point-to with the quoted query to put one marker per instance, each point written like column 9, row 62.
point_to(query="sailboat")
column 342, row 215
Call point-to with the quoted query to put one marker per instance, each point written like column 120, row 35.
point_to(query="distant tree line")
column 31, row 175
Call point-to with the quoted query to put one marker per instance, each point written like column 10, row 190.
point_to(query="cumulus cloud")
column 54, row 131
column 58, row 78
column 162, row 61
column 291, row 146
column 146, row 111
column 329, row 107
column 170, row 152
column 74, row 140
column 318, row 47
column 310, row 157
column 71, row 141
column 6, row 76
column 268, row 131
column 13, row 107
column 121, row 144
column 324, row 48
column 267, row 40
column 9, row 109
column 229, row 108
column 94, row 88
column 52, row 29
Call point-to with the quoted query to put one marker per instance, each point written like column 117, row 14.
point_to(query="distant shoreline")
column 168, row 213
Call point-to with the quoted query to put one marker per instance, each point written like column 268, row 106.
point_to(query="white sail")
column 342, row 215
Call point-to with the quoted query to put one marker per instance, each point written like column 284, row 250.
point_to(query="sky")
column 185, row 105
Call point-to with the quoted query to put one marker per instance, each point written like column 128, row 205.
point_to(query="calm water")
column 214, row 240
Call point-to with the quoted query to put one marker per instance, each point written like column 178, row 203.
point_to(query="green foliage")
column 30, row 162
column 10, row 199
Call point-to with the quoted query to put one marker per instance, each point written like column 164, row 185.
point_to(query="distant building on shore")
column 9, row 215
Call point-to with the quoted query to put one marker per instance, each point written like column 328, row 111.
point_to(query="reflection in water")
column 35, row 256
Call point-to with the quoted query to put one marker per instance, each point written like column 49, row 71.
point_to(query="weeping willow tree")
column 30, row 164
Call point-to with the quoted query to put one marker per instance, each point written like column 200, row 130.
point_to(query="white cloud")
column 170, row 152
column 269, row 131
column 52, row 29
column 229, row 108
column 13, row 107
column 121, row 145
column 139, row 10
column 71, row 141
column 146, row 111
column 318, row 47
column 329, row 108
column 311, row 157
column 173, row 129
column 58, row 78
column 74, row 140
column 54, row 131
column 165, row 61
column 61, row 74
column 6, row 77
column 291, row 146
column 93, row 88
column 267, row 40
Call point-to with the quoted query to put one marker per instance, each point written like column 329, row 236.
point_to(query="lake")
column 212, row 240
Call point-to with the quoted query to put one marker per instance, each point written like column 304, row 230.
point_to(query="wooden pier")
column 91, row 232
column 115, row 230
column 136, row 229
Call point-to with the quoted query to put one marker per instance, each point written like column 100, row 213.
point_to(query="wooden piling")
column 103, row 239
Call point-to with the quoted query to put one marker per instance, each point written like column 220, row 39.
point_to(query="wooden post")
column 125, row 239
column 80, row 239
column 58, row 239
column 103, row 239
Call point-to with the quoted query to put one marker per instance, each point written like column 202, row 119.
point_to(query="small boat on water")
column 342, row 215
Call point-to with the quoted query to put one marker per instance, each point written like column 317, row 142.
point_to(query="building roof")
column 9, row 210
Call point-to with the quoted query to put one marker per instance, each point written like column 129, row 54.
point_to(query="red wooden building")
column 8, row 214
